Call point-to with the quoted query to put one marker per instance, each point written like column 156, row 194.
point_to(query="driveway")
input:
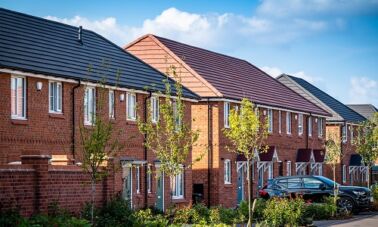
column 363, row 219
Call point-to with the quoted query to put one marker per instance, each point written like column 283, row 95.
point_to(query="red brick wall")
column 286, row 146
column 52, row 134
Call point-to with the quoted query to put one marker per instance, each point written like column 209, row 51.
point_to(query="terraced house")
column 296, row 125
column 49, row 86
column 343, row 123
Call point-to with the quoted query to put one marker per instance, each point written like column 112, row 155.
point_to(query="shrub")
column 214, row 216
column 11, row 217
column 228, row 216
column 147, row 218
column 116, row 212
column 200, row 214
column 280, row 212
column 320, row 211
column 183, row 215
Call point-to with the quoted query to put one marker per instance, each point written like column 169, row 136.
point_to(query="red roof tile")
column 236, row 78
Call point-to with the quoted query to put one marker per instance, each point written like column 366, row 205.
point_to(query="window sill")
column 227, row 185
column 178, row 200
column 131, row 122
column 57, row 115
column 20, row 121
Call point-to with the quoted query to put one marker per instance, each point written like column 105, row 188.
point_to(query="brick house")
column 49, row 87
column 343, row 123
column 296, row 139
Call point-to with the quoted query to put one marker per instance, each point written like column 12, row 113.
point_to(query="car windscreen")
column 326, row 180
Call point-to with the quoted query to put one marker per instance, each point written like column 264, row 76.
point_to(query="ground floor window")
column 344, row 173
column 178, row 186
column 288, row 168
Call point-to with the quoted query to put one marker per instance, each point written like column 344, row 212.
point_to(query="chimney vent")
column 80, row 35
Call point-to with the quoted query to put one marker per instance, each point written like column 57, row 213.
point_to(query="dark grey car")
column 315, row 188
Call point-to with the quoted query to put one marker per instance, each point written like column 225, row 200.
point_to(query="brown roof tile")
column 236, row 78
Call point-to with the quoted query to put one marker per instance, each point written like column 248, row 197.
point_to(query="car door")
column 294, row 186
column 313, row 189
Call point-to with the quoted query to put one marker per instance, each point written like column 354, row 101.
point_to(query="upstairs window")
column 55, row 97
column 351, row 134
column 288, row 123
column 18, row 97
column 279, row 122
column 227, row 171
column 131, row 106
column 178, row 186
column 344, row 133
column 89, row 105
column 300, row 124
column 154, row 109
column 270, row 120
column 226, row 115
column 111, row 104
column 309, row 126
column 320, row 127
column 177, row 116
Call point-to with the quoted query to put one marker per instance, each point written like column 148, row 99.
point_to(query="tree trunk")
column 250, row 211
column 93, row 200
column 368, row 176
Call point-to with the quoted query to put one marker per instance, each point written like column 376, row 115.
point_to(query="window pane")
column 59, row 97
column 293, row 183
column 311, row 183
column 14, row 96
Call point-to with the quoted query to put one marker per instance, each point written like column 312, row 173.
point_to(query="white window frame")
column 309, row 129
column 227, row 171
column 320, row 127
column 16, row 79
column 131, row 103
column 288, row 168
column 137, row 177
column 111, row 101
column 288, row 123
column 178, row 189
column 300, row 124
column 344, row 130
column 351, row 134
column 226, row 114
column 270, row 120
column 178, row 120
column 55, row 97
column 89, row 104
column 149, row 180
column 155, row 109
column 344, row 174
column 279, row 122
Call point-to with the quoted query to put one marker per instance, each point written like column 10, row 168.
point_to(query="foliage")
column 247, row 135
column 282, row 211
column 170, row 138
column 10, row 217
column 321, row 211
column 333, row 156
column 367, row 142
column 259, row 209
column 116, row 212
column 147, row 218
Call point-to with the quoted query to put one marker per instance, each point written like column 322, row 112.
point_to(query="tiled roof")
column 268, row 155
column 345, row 112
column 236, row 78
column 366, row 110
column 319, row 155
column 303, row 155
column 37, row 45
column 355, row 160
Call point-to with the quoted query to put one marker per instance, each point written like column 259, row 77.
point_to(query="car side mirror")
column 322, row 187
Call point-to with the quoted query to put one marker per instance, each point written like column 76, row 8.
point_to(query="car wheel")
column 346, row 204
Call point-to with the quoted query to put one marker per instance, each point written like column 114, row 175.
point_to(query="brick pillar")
column 40, row 163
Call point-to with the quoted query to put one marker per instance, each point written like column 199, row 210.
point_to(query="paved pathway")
column 365, row 220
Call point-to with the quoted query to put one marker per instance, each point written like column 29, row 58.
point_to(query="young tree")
column 99, row 141
column 332, row 157
column 247, row 134
column 170, row 137
column 366, row 143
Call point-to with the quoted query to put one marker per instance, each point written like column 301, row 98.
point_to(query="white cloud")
column 363, row 90
column 308, row 8
column 275, row 72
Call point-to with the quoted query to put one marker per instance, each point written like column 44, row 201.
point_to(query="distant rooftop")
column 344, row 111
column 366, row 110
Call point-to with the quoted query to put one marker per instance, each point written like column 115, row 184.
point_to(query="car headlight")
column 359, row 193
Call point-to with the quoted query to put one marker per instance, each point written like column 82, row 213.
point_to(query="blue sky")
column 331, row 43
